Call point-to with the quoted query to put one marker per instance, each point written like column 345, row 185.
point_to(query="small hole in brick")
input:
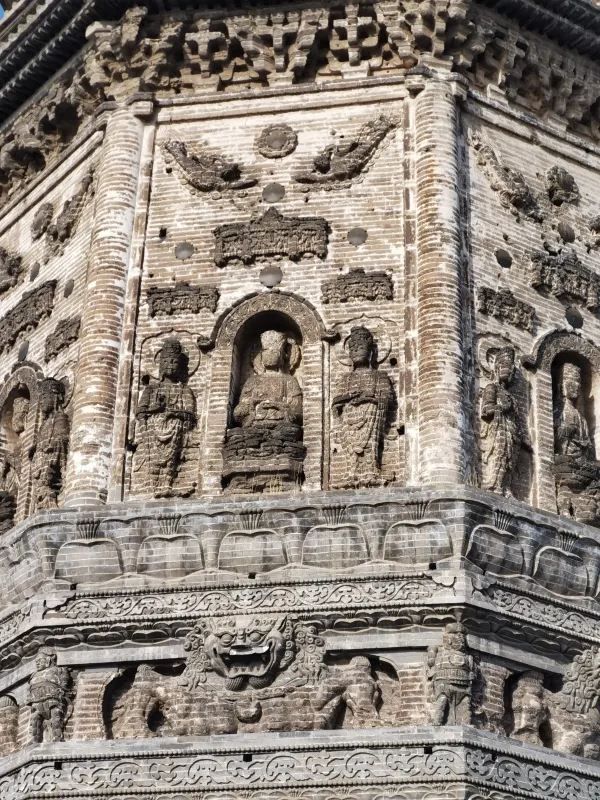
column 393, row 362
column 428, row 750
column 504, row 258
column 252, row 575
column 433, row 565
column 271, row 276
column 401, row 430
column 573, row 317
column 58, row 766
column 162, row 234
column 23, row 350
column 273, row 193
column 566, row 232
column 69, row 286
column 169, row 170
column 35, row 271
column 247, row 757
column 184, row 250
column 357, row 236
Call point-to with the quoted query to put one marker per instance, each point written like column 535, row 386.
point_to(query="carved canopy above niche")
column 271, row 234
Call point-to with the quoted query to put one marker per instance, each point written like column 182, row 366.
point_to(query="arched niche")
column 547, row 362
column 18, row 414
column 246, row 351
column 233, row 346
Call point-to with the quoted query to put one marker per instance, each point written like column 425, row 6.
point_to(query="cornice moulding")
column 38, row 38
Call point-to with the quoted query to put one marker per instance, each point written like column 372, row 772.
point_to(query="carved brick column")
column 441, row 413
column 102, row 318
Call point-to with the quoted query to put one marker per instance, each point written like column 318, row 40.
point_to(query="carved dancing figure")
column 530, row 710
column 265, row 451
column 52, row 445
column 48, row 698
column 451, row 674
column 501, row 435
column 567, row 720
column 576, row 470
column 166, row 414
column 249, row 674
column 363, row 406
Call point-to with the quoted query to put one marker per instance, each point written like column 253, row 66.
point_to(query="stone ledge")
column 270, row 761
column 130, row 548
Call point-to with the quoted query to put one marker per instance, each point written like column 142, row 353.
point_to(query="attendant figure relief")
column 48, row 697
column 165, row 416
column 576, row 470
column 502, row 433
column 51, row 446
column 362, row 409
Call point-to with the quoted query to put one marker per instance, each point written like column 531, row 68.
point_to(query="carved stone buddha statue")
column 263, row 448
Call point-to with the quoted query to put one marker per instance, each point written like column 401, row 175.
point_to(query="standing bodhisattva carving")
column 502, row 434
column 576, row 470
column 52, row 445
column 166, row 414
column 363, row 407
column 48, row 697
column 11, row 459
column 263, row 450
column 451, row 673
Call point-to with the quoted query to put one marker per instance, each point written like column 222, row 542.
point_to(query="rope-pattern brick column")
column 102, row 318
column 442, row 416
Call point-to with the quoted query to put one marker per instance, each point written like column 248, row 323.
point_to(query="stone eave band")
column 575, row 24
column 45, row 36
column 382, row 756
column 43, row 47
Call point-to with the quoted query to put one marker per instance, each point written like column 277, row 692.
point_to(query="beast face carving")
column 249, row 651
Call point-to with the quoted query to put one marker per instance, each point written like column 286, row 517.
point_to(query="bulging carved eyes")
column 256, row 636
column 226, row 638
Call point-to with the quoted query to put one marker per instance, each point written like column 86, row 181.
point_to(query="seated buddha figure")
column 263, row 448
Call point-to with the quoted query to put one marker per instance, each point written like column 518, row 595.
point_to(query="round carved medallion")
column 277, row 141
